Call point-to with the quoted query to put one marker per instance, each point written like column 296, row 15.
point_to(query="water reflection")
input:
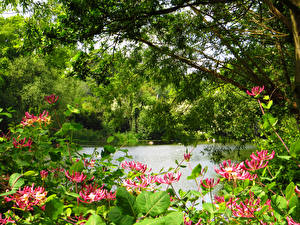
column 164, row 156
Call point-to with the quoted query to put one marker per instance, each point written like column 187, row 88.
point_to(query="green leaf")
column 153, row 204
column 286, row 157
column 73, row 109
column 279, row 202
column 269, row 121
column 68, row 113
column 195, row 172
column 116, row 216
column 174, row 218
column 95, row 220
column 237, row 190
column 290, row 190
column 54, row 208
column 270, row 103
column 126, row 202
column 107, row 150
column 150, row 221
column 258, row 191
column 9, row 192
column 295, row 149
column 110, row 139
column 294, row 202
column 15, row 181
column 30, row 173
column 6, row 114
column 73, row 194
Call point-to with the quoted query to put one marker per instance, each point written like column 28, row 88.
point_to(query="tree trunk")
column 295, row 18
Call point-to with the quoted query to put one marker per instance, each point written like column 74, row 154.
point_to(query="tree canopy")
column 243, row 43
column 179, row 57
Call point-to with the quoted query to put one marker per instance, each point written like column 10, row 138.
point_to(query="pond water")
column 164, row 156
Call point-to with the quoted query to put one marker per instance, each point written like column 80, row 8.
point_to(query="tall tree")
column 243, row 43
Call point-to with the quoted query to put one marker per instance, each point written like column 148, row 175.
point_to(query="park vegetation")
column 115, row 73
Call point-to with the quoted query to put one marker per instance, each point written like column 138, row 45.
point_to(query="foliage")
column 230, row 42
column 46, row 179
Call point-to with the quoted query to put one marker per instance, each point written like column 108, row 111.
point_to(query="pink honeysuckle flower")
column 187, row 156
column 254, row 164
column 291, row 221
column 262, row 155
column 30, row 119
column 219, row 199
column 90, row 163
column 5, row 220
column 27, row 197
column 187, row 220
column 234, row 171
column 51, row 99
column 141, row 182
column 247, row 207
column 255, row 91
column 297, row 191
column 22, row 143
column 90, row 193
column 136, row 166
column 80, row 220
column 168, row 178
column 111, row 196
column 209, row 183
column 75, row 177
column 44, row 174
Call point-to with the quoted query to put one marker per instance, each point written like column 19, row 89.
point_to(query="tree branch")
column 194, row 65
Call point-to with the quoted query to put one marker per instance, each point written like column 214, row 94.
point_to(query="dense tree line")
column 160, row 69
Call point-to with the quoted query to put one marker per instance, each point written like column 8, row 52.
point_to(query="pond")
column 164, row 156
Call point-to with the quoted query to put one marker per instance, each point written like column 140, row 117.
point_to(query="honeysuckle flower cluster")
column 135, row 166
column 219, row 199
column 44, row 174
column 258, row 160
column 168, row 178
column 262, row 155
column 187, row 156
column 51, row 99
column 254, row 164
column 90, row 193
column 145, row 181
column 75, row 177
column 140, row 182
column 27, row 197
column 5, row 220
column 209, row 183
column 255, row 91
column 234, row 171
column 239, row 171
column 80, row 220
column 291, row 221
column 246, row 208
column 30, row 119
column 22, row 143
